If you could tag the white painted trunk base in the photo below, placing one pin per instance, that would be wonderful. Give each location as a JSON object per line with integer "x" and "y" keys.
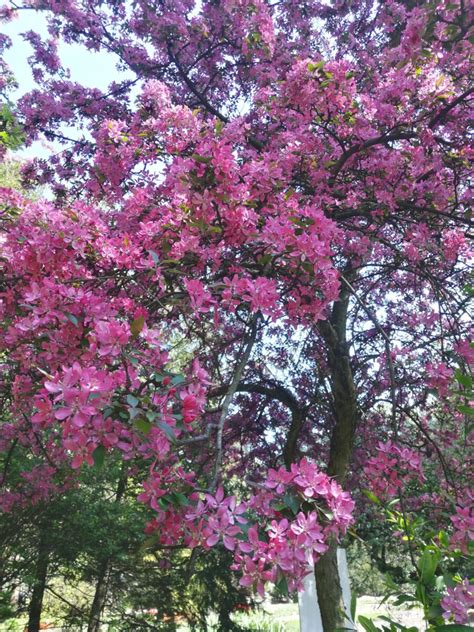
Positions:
{"x": 310, "y": 616}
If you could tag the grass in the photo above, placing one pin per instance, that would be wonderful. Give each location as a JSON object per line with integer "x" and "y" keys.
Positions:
{"x": 282, "y": 617}
{"x": 272, "y": 618}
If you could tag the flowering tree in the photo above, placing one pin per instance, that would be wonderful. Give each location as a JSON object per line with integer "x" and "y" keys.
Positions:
{"x": 281, "y": 191}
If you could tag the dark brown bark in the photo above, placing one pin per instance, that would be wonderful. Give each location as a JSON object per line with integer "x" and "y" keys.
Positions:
{"x": 331, "y": 604}
{"x": 100, "y": 595}
{"x": 290, "y": 451}
{"x": 41, "y": 572}
{"x": 274, "y": 390}
{"x": 342, "y": 440}
{"x": 280, "y": 393}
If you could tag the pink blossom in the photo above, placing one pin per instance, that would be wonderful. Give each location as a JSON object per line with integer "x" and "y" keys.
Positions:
{"x": 463, "y": 523}
{"x": 458, "y": 603}
{"x": 201, "y": 299}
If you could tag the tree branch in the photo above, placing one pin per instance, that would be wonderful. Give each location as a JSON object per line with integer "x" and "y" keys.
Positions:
{"x": 379, "y": 140}
{"x": 230, "y": 394}
{"x": 388, "y": 350}
{"x": 439, "y": 118}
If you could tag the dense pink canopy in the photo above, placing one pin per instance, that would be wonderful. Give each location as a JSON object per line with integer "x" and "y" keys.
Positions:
{"x": 283, "y": 185}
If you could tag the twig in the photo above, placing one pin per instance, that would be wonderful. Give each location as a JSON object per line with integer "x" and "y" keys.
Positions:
{"x": 71, "y": 605}
{"x": 198, "y": 438}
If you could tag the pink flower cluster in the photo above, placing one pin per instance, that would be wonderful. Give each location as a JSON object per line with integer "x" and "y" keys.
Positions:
{"x": 300, "y": 509}
{"x": 35, "y": 486}
{"x": 260, "y": 293}
{"x": 391, "y": 469}
{"x": 463, "y": 523}
{"x": 278, "y": 532}
{"x": 459, "y": 602}
{"x": 439, "y": 377}
{"x": 81, "y": 393}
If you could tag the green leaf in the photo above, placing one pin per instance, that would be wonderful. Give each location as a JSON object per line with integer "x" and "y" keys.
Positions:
{"x": 371, "y": 496}
{"x": 282, "y": 585}
{"x": 448, "y": 580}
{"x": 99, "y": 456}
{"x": 132, "y": 400}
{"x": 428, "y": 564}
{"x": 353, "y": 607}
{"x": 107, "y": 412}
{"x": 73, "y": 319}
{"x": 179, "y": 499}
{"x": 401, "y": 599}
{"x": 163, "y": 502}
{"x": 462, "y": 378}
{"x": 168, "y": 430}
{"x": 142, "y": 424}
{"x": 178, "y": 379}
{"x": 313, "y": 66}
{"x": 367, "y": 624}
{"x": 265, "y": 259}
{"x": 420, "y": 593}
{"x": 443, "y": 538}
{"x": 202, "y": 159}
{"x": 137, "y": 325}
{"x": 395, "y": 625}
{"x": 292, "y": 502}
{"x": 434, "y": 611}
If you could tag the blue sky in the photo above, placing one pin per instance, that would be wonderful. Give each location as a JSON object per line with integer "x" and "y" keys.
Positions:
{"x": 88, "y": 68}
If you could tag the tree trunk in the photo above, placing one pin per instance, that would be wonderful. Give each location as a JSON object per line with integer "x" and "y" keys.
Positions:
{"x": 41, "y": 572}
{"x": 100, "y": 594}
{"x": 328, "y": 586}
{"x": 346, "y": 414}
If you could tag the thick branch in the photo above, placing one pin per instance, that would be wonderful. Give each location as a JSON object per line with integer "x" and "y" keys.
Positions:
{"x": 439, "y": 118}
{"x": 273, "y": 391}
{"x": 286, "y": 397}
{"x": 379, "y": 140}
{"x": 192, "y": 86}
{"x": 346, "y": 411}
